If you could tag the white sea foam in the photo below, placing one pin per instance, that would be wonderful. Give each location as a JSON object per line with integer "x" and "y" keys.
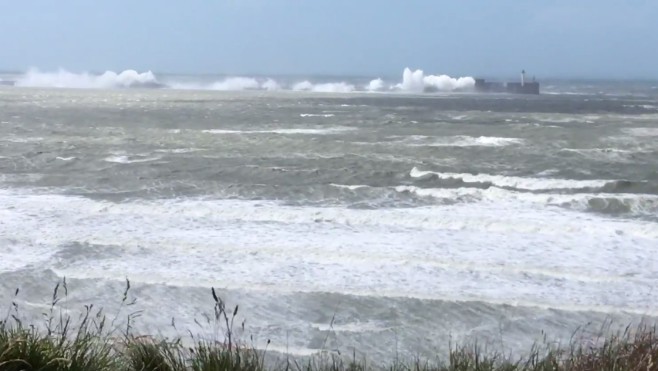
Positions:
{"x": 351, "y": 327}
{"x": 316, "y": 115}
{"x": 451, "y": 141}
{"x": 66, "y": 79}
{"x": 350, "y": 187}
{"x": 376, "y": 85}
{"x": 642, "y": 132}
{"x": 231, "y": 83}
{"x": 565, "y": 119}
{"x": 236, "y": 83}
{"x": 596, "y": 150}
{"x": 65, "y": 158}
{"x": 490, "y": 141}
{"x": 638, "y": 204}
{"x": 334, "y": 87}
{"x": 123, "y": 159}
{"x": 417, "y": 82}
{"x": 412, "y": 81}
{"x": 460, "y": 251}
{"x": 301, "y": 86}
{"x": 30, "y": 253}
{"x": 523, "y": 183}
{"x": 270, "y": 85}
{"x": 331, "y": 87}
{"x": 467, "y": 141}
{"x": 283, "y": 131}
{"x": 645, "y": 106}
{"x": 548, "y": 172}
{"x": 23, "y": 139}
{"x": 178, "y": 150}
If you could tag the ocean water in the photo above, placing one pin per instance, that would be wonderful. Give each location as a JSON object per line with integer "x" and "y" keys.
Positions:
{"x": 391, "y": 222}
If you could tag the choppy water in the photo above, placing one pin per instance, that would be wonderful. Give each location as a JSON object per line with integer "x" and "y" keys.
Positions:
{"x": 409, "y": 219}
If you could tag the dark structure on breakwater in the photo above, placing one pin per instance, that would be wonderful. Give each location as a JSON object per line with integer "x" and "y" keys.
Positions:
{"x": 523, "y": 87}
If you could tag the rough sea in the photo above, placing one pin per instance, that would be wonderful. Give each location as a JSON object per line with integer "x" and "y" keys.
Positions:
{"x": 340, "y": 216}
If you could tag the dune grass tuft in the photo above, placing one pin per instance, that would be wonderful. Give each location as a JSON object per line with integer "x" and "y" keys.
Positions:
{"x": 94, "y": 343}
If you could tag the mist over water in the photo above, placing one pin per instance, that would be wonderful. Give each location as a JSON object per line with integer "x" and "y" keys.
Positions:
{"x": 403, "y": 210}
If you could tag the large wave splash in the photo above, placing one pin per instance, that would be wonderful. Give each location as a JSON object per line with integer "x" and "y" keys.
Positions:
{"x": 415, "y": 81}
{"x": 85, "y": 80}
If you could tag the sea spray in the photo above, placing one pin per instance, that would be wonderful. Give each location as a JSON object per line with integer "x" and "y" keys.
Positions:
{"x": 412, "y": 82}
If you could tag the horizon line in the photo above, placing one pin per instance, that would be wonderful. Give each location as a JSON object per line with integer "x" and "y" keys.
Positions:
{"x": 493, "y": 76}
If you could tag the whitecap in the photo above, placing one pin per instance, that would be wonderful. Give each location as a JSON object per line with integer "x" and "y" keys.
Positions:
{"x": 317, "y": 115}
{"x": 522, "y": 183}
{"x": 178, "y": 150}
{"x": 642, "y": 132}
{"x": 84, "y": 80}
{"x": 486, "y": 251}
{"x": 331, "y": 130}
{"x": 350, "y": 187}
{"x": 123, "y": 159}
{"x": 455, "y": 141}
{"x": 637, "y": 204}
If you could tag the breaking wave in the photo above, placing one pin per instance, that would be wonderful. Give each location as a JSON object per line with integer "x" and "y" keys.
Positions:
{"x": 316, "y": 115}
{"x": 535, "y": 184}
{"x": 124, "y": 159}
{"x": 376, "y": 85}
{"x": 605, "y": 203}
{"x": 331, "y": 87}
{"x": 520, "y": 183}
{"x": 282, "y": 131}
{"x": 454, "y": 141}
{"x": 413, "y": 81}
{"x": 107, "y": 80}
{"x": 236, "y": 83}
{"x": 417, "y": 82}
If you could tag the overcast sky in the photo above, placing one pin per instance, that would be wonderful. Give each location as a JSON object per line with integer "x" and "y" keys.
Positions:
{"x": 550, "y": 38}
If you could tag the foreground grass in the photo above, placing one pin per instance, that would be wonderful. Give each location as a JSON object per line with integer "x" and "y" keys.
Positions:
{"x": 95, "y": 343}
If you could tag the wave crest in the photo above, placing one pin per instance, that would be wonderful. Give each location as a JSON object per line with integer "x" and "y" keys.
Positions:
{"x": 331, "y": 87}
{"x": 520, "y": 183}
{"x": 85, "y": 80}
{"x": 417, "y": 82}
{"x": 412, "y": 82}
{"x": 535, "y": 184}
{"x": 236, "y": 83}
{"x": 604, "y": 203}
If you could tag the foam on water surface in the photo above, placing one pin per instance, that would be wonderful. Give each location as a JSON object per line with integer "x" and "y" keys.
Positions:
{"x": 282, "y": 131}
{"x": 417, "y": 214}
{"x": 419, "y": 253}
{"x": 523, "y": 183}
{"x": 124, "y": 159}
{"x": 454, "y": 141}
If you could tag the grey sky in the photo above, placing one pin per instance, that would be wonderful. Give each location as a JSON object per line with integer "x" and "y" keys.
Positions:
{"x": 559, "y": 38}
